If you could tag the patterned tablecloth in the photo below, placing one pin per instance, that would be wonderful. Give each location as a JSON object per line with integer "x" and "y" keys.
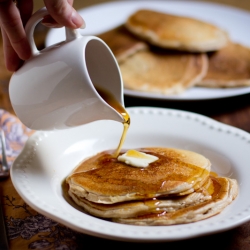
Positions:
{"x": 27, "y": 229}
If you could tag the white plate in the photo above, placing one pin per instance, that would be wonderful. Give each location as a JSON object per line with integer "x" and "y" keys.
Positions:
{"x": 102, "y": 17}
{"x": 49, "y": 157}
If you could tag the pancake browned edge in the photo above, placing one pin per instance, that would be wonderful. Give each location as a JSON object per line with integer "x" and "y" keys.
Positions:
{"x": 225, "y": 191}
{"x": 163, "y": 71}
{"x": 228, "y": 67}
{"x": 140, "y": 207}
{"x": 122, "y": 42}
{"x": 176, "y": 32}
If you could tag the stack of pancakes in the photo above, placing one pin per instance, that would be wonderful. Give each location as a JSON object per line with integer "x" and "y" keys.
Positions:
{"x": 177, "y": 188}
{"x": 168, "y": 54}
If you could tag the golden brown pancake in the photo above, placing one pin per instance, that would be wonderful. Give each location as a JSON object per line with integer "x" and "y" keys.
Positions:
{"x": 178, "y": 187}
{"x": 122, "y": 42}
{"x": 104, "y": 179}
{"x": 163, "y": 71}
{"x": 176, "y": 32}
{"x": 225, "y": 191}
{"x": 228, "y": 67}
{"x": 140, "y": 207}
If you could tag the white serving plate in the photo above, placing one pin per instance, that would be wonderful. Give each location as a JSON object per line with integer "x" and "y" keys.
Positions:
{"x": 48, "y": 158}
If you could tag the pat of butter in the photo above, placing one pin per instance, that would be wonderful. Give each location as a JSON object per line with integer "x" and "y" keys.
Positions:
{"x": 136, "y": 158}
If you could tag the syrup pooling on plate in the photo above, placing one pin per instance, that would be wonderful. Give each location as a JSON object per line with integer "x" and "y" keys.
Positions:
{"x": 109, "y": 98}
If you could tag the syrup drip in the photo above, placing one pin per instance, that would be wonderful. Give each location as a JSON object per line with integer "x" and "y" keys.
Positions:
{"x": 110, "y": 99}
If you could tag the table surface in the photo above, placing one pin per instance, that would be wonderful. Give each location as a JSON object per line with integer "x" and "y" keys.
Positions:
{"x": 234, "y": 111}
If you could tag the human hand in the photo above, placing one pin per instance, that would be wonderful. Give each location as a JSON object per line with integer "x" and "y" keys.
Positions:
{"x": 13, "y": 18}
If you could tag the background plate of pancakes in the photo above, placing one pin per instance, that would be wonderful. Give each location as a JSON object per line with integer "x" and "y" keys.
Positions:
{"x": 49, "y": 157}
{"x": 106, "y": 16}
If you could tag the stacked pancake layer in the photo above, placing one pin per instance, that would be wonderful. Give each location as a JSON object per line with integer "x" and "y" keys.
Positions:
{"x": 228, "y": 67}
{"x": 163, "y": 72}
{"x": 169, "y": 54}
{"x": 176, "y": 32}
{"x": 177, "y": 188}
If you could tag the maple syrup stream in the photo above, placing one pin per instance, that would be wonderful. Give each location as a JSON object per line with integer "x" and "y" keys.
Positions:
{"x": 109, "y": 98}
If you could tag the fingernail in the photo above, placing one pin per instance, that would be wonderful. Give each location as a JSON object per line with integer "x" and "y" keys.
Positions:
{"x": 83, "y": 25}
{"x": 78, "y": 20}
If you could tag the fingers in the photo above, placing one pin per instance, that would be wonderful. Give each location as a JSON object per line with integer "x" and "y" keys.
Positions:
{"x": 62, "y": 14}
{"x": 12, "y": 60}
{"x": 25, "y": 8}
{"x": 15, "y": 43}
{"x": 13, "y": 19}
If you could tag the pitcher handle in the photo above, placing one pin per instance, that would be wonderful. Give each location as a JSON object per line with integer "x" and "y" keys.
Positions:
{"x": 71, "y": 34}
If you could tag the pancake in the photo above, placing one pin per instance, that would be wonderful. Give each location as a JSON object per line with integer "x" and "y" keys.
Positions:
{"x": 104, "y": 179}
{"x": 225, "y": 191}
{"x": 163, "y": 71}
{"x": 228, "y": 67}
{"x": 176, "y": 32}
{"x": 135, "y": 208}
{"x": 122, "y": 42}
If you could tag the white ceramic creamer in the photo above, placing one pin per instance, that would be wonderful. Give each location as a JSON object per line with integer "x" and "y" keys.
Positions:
{"x": 57, "y": 87}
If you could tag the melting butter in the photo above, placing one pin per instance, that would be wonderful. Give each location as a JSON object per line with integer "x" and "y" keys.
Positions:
{"x": 136, "y": 158}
